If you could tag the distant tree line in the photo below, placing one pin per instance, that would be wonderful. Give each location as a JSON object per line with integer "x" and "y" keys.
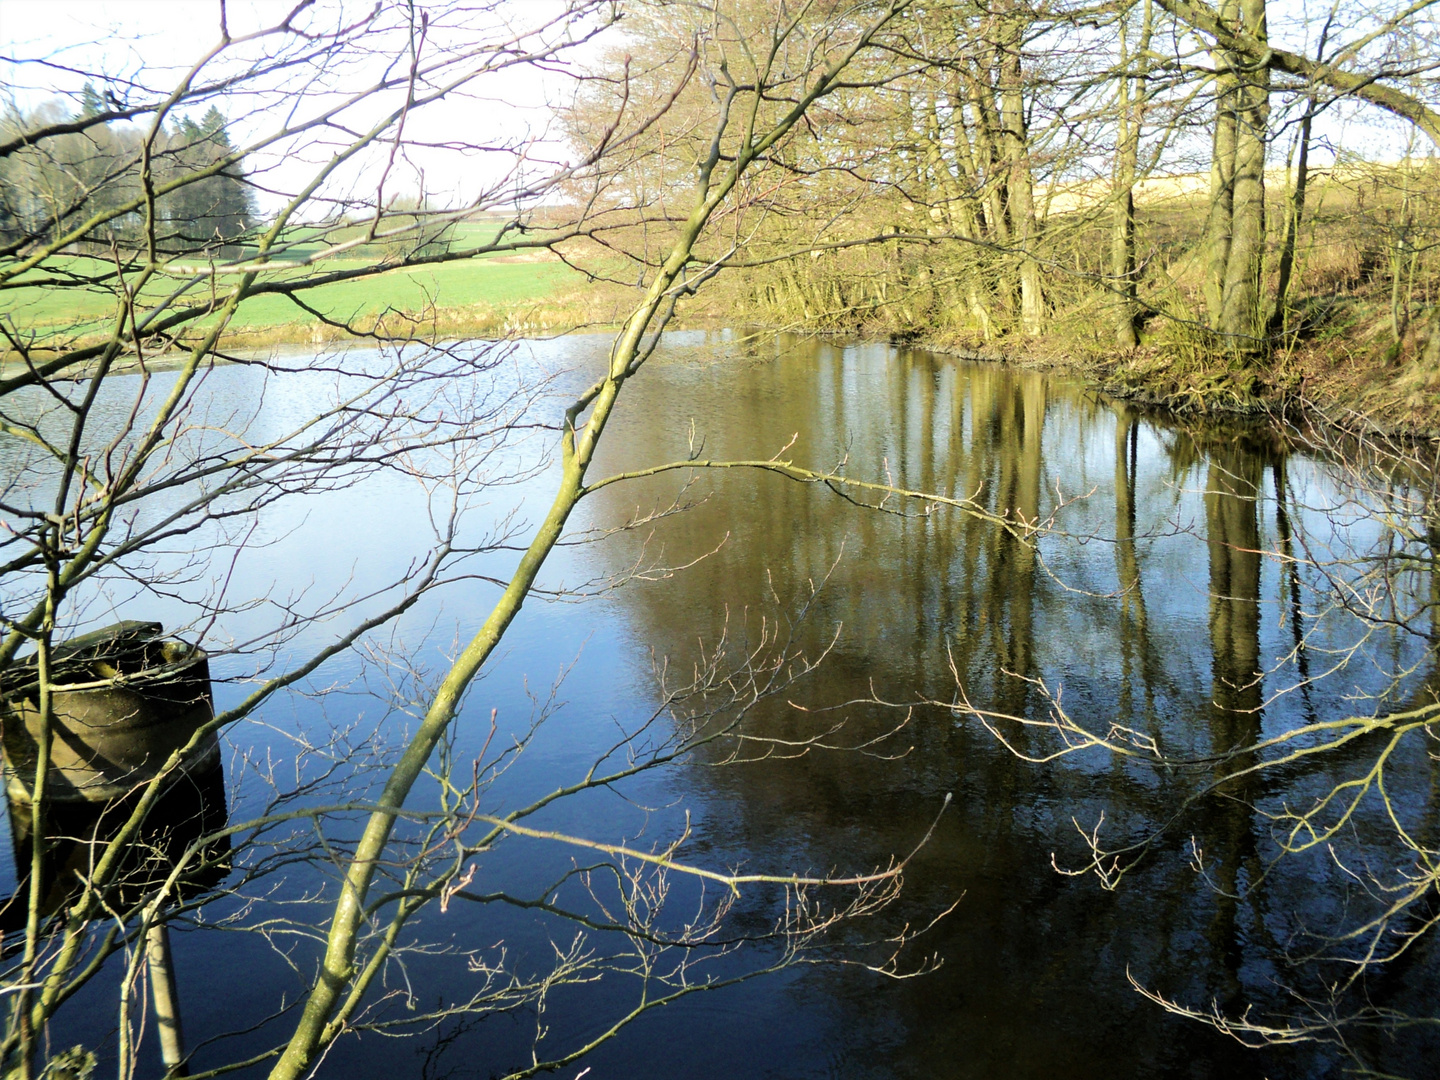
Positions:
{"x": 56, "y": 184}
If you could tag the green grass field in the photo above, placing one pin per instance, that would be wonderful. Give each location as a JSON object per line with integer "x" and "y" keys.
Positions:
{"x": 486, "y": 282}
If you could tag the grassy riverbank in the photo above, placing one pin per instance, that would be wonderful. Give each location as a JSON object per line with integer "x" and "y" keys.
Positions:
{"x": 1358, "y": 338}
{"x": 479, "y": 293}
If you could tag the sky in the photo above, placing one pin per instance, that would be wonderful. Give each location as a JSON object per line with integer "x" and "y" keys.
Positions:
{"x": 174, "y": 28}
{"x": 162, "y": 38}
{"x": 123, "y": 37}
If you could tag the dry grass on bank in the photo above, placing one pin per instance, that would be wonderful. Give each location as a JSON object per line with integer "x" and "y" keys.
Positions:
{"x": 1358, "y": 334}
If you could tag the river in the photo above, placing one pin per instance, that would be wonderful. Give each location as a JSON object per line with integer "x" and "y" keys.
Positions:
{"x": 1172, "y": 599}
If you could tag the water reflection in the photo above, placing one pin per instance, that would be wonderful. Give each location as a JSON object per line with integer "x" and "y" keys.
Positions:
{"x": 1169, "y": 600}
{"x": 1175, "y": 618}
{"x": 190, "y": 808}
{"x": 1233, "y": 473}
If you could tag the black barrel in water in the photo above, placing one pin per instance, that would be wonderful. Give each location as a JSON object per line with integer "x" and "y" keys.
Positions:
{"x": 124, "y": 699}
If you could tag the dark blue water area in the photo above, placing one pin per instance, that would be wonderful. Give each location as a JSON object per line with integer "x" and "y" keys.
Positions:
{"x": 1134, "y": 609}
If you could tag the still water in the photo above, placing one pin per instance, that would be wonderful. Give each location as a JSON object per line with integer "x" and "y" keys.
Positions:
{"x": 1166, "y": 598}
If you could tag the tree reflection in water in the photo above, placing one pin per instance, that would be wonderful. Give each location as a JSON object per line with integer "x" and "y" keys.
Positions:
{"x": 1168, "y": 602}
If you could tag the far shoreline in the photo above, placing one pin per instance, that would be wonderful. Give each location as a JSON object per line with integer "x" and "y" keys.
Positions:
{"x": 1358, "y": 396}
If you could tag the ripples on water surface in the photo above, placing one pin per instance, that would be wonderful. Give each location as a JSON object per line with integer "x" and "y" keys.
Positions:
{"x": 1149, "y": 607}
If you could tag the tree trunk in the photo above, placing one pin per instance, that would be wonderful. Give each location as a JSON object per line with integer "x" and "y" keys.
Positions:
{"x": 1122, "y": 246}
{"x": 1236, "y": 229}
{"x": 1021, "y": 184}
{"x": 987, "y": 125}
{"x": 1294, "y": 212}
{"x": 959, "y": 211}
{"x": 1129, "y": 114}
{"x": 1241, "y": 314}
{"x": 1222, "y": 178}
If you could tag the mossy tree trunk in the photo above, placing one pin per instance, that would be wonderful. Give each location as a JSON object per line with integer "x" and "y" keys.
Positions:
{"x": 1242, "y": 315}
{"x": 1235, "y": 229}
{"x": 1021, "y": 187}
{"x": 1129, "y": 111}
